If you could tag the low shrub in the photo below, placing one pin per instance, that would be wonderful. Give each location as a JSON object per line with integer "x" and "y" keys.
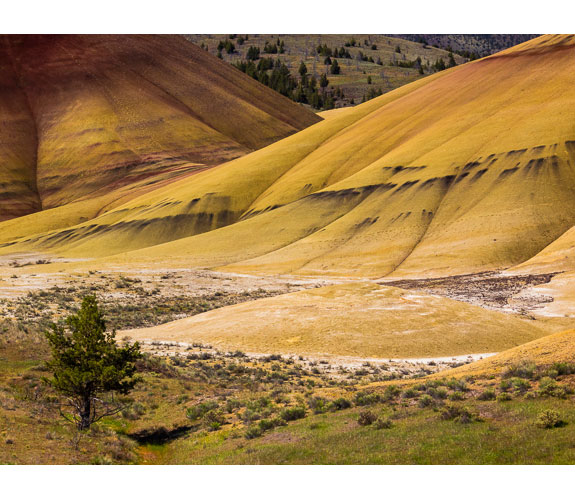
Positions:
{"x": 294, "y": 413}
{"x": 410, "y": 393}
{"x": 366, "y": 398}
{"x": 439, "y": 393}
{"x": 457, "y": 396}
{"x": 340, "y": 404}
{"x": 199, "y": 410}
{"x": 487, "y": 395}
{"x": 504, "y": 396}
{"x": 267, "y": 424}
{"x": 253, "y": 432}
{"x": 366, "y": 417}
{"x": 564, "y": 368}
{"x": 520, "y": 385}
{"x": 548, "y": 419}
{"x": 524, "y": 369}
{"x": 425, "y": 401}
{"x": 458, "y": 414}
{"x": 391, "y": 392}
{"x": 383, "y": 423}
{"x": 457, "y": 385}
{"x": 318, "y": 405}
{"x": 214, "y": 419}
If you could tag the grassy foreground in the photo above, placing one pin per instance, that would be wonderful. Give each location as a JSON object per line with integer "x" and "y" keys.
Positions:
{"x": 209, "y": 407}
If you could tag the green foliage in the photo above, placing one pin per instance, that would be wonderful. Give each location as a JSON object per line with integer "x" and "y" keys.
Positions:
{"x": 391, "y": 391}
{"x": 335, "y": 68}
{"x": 439, "y": 65}
{"x": 372, "y": 93}
{"x": 457, "y": 396}
{"x": 253, "y": 54}
{"x": 549, "y": 387}
{"x": 366, "y": 398}
{"x": 340, "y": 404}
{"x": 548, "y": 419}
{"x": 253, "y": 432}
{"x": 198, "y": 411}
{"x": 459, "y": 414}
{"x": 318, "y": 405}
{"x": 410, "y": 393}
{"x": 366, "y": 417}
{"x": 524, "y": 369}
{"x": 487, "y": 395}
{"x": 383, "y": 423}
{"x": 87, "y": 364}
{"x": 226, "y": 45}
{"x": 276, "y": 75}
{"x": 564, "y": 368}
{"x": 425, "y": 401}
{"x": 214, "y": 419}
{"x": 294, "y": 413}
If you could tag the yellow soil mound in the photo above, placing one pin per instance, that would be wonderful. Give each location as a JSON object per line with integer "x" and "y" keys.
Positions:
{"x": 556, "y": 348}
{"x": 358, "y": 319}
{"x": 470, "y": 169}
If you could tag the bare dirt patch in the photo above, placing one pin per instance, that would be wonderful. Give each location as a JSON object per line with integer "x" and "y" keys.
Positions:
{"x": 490, "y": 290}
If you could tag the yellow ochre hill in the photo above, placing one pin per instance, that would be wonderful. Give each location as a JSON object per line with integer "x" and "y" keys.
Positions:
{"x": 467, "y": 170}
{"x": 108, "y": 117}
{"x": 362, "y": 320}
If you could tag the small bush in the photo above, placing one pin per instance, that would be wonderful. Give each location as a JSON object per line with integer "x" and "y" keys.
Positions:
{"x": 294, "y": 413}
{"x": 547, "y": 386}
{"x": 340, "y": 404}
{"x": 564, "y": 368}
{"x": 456, "y": 396}
{"x": 548, "y": 419}
{"x": 391, "y": 391}
{"x": 317, "y": 405}
{"x": 199, "y": 410}
{"x": 505, "y": 385}
{"x": 383, "y": 423}
{"x": 458, "y": 414}
{"x": 487, "y": 395}
{"x": 520, "y": 385}
{"x": 425, "y": 401}
{"x": 366, "y": 417}
{"x": 437, "y": 393}
{"x": 525, "y": 369}
{"x": 504, "y": 396}
{"x": 457, "y": 385}
{"x": 253, "y": 432}
{"x": 214, "y": 419}
{"x": 266, "y": 424}
{"x": 366, "y": 398}
{"x": 410, "y": 393}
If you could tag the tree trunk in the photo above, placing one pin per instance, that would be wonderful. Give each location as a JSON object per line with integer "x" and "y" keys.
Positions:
{"x": 85, "y": 413}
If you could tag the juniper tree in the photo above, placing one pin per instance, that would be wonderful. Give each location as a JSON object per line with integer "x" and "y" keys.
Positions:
{"x": 335, "y": 69}
{"x": 89, "y": 368}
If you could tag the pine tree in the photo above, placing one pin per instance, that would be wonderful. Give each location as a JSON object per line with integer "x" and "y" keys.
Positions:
{"x": 253, "y": 53}
{"x": 335, "y": 69}
{"x": 88, "y": 367}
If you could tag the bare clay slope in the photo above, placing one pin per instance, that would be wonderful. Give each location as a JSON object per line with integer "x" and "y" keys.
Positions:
{"x": 467, "y": 170}
{"x": 87, "y": 115}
